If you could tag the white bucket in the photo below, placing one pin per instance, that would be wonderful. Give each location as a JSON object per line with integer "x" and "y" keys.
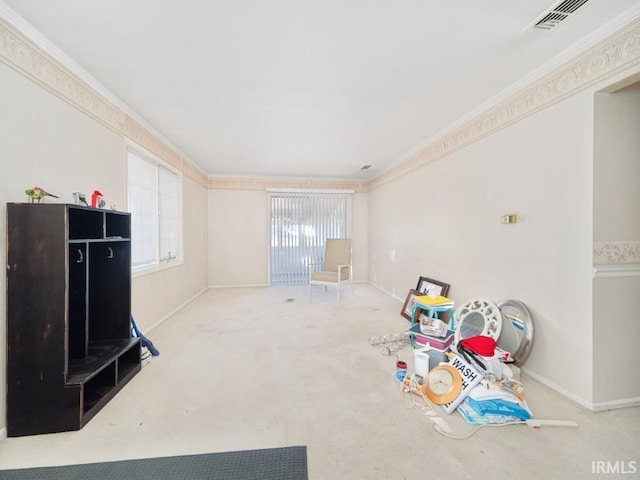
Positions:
{"x": 421, "y": 362}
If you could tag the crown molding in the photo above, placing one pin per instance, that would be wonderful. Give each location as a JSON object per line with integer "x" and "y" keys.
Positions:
{"x": 224, "y": 183}
{"x": 27, "y": 52}
{"x": 606, "y": 58}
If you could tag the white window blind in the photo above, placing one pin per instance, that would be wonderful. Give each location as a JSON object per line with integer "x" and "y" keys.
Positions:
{"x": 154, "y": 203}
{"x": 300, "y": 224}
{"x": 169, "y": 213}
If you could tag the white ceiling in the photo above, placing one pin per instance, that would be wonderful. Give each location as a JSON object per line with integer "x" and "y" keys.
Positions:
{"x": 307, "y": 88}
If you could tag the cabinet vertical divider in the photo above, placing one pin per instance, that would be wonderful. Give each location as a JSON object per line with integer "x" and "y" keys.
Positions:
{"x": 86, "y": 300}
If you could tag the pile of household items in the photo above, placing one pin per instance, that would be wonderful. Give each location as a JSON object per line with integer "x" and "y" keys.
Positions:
{"x": 467, "y": 359}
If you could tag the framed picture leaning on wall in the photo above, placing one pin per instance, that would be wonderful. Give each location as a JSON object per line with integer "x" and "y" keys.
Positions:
{"x": 431, "y": 287}
{"x": 408, "y": 303}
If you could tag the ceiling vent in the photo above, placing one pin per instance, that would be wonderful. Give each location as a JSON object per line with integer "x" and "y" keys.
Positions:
{"x": 557, "y": 13}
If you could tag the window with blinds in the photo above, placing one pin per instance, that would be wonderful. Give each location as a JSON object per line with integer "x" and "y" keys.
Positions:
{"x": 300, "y": 223}
{"x": 154, "y": 202}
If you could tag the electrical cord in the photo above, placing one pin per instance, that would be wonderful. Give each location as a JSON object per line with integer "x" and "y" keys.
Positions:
{"x": 443, "y": 432}
{"x": 408, "y": 395}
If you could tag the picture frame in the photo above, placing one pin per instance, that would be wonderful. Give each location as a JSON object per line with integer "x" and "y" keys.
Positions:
{"x": 426, "y": 285}
{"x": 408, "y": 304}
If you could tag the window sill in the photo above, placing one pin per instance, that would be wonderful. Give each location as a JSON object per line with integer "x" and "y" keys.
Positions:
{"x": 156, "y": 268}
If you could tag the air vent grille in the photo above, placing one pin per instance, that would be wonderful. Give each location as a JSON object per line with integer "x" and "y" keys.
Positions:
{"x": 558, "y": 13}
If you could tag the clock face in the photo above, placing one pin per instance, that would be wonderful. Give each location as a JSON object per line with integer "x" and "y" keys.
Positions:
{"x": 444, "y": 384}
{"x": 441, "y": 382}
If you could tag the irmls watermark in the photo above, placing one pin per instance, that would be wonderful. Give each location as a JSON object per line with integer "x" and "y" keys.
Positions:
{"x": 614, "y": 467}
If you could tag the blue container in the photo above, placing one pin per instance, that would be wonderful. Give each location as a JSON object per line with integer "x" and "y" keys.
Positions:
{"x": 401, "y": 370}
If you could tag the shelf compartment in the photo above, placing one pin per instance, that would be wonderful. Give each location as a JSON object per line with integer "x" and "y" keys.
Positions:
{"x": 85, "y": 223}
{"x": 129, "y": 362}
{"x": 109, "y": 290}
{"x": 117, "y": 225}
{"x": 99, "y": 386}
{"x": 100, "y": 354}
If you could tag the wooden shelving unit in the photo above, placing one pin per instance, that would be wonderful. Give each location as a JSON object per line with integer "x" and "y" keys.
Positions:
{"x": 69, "y": 349}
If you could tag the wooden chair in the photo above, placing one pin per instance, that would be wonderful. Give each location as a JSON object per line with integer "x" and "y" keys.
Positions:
{"x": 336, "y": 269}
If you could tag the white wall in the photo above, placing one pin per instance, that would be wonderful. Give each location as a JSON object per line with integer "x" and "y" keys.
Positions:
{"x": 617, "y": 165}
{"x": 616, "y": 356}
{"x": 616, "y": 198}
{"x": 442, "y": 221}
{"x": 181, "y": 283}
{"x": 45, "y": 141}
{"x": 239, "y": 237}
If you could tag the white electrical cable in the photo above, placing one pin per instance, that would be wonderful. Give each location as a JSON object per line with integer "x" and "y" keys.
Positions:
{"x": 475, "y": 430}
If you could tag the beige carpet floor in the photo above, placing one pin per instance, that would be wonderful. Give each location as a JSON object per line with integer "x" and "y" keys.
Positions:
{"x": 252, "y": 368}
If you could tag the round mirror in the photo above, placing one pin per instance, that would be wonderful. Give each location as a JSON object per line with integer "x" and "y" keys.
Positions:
{"x": 517, "y": 330}
{"x": 478, "y": 317}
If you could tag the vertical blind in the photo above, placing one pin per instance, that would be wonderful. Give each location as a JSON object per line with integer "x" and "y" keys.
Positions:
{"x": 169, "y": 213}
{"x": 300, "y": 224}
{"x": 143, "y": 205}
{"x": 154, "y": 203}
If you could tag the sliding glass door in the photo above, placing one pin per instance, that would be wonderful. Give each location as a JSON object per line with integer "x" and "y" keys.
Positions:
{"x": 300, "y": 223}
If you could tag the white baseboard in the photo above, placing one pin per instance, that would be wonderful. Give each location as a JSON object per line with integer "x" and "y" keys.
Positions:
{"x": 561, "y": 390}
{"x": 615, "y": 404}
{"x": 175, "y": 310}
{"x": 594, "y": 407}
{"x": 385, "y": 291}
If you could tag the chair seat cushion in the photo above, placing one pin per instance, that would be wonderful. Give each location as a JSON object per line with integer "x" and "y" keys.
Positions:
{"x": 328, "y": 276}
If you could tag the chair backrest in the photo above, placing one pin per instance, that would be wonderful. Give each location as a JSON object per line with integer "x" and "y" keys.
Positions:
{"x": 337, "y": 251}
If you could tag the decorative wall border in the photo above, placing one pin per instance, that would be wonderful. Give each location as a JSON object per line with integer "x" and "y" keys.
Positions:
{"x": 223, "y": 183}
{"x": 616, "y": 253}
{"x": 616, "y": 259}
{"x": 614, "y": 54}
{"x": 25, "y": 57}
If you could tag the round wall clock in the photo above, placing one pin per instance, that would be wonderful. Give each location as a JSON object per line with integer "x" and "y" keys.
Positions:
{"x": 443, "y": 384}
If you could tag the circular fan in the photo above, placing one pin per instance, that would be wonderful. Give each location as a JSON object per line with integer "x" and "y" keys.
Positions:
{"x": 478, "y": 317}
